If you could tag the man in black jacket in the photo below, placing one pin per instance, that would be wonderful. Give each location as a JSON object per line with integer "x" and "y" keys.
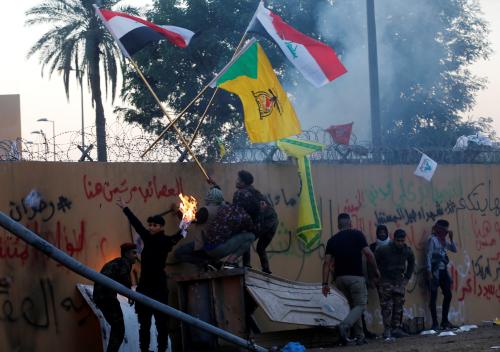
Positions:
{"x": 153, "y": 280}
{"x": 105, "y": 299}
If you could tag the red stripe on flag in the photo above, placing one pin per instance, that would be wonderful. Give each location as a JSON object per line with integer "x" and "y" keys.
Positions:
{"x": 324, "y": 55}
{"x": 173, "y": 37}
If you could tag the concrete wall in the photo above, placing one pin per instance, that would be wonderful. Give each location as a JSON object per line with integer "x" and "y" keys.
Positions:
{"x": 40, "y": 308}
{"x": 10, "y": 117}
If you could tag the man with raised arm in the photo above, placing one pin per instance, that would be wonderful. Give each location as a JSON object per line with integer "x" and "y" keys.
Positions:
{"x": 153, "y": 279}
{"x": 437, "y": 271}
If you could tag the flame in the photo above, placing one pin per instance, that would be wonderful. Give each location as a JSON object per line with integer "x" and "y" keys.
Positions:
{"x": 187, "y": 207}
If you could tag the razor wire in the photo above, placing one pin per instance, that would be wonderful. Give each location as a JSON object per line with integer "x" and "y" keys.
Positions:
{"x": 126, "y": 142}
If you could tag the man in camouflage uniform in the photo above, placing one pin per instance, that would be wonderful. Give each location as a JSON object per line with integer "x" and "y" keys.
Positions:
{"x": 262, "y": 213}
{"x": 105, "y": 299}
{"x": 396, "y": 263}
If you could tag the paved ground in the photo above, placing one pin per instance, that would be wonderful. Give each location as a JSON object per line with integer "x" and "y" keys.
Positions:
{"x": 481, "y": 339}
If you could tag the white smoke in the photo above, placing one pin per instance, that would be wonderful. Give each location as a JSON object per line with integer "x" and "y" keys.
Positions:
{"x": 347, "y": 99}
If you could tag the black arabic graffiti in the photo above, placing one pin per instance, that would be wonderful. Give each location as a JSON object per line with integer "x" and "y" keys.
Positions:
{"x": 46, "y": 210}
{"x": 38, "y": 312}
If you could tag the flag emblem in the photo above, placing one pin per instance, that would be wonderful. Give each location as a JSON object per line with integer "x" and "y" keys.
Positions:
{"x": 315, "y": 60}
{"x": 267, "y": 102}
{"x": 268, "y": 113}
{"x": 426, "y": 168}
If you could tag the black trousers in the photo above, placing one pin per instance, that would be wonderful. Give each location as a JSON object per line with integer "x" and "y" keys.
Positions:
{"x": 112, "y": 312}
{"x": 443, "y": 281}
{"x": 144, "y": 315}
{"x": 263, "y": 242}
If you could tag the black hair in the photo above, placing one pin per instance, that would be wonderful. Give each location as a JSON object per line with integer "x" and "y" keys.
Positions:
{"x": 442, "y": 223}
{"x": 246, "y": 177}
{"x": 201, "y": 216}
{"x": 399, "y": 233}
{"x": 343, "y": 220}
{"x": 156, "y": 219}
{"x": 381, "y": 228}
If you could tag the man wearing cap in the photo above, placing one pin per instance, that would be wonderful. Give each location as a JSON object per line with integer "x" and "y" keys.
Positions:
{"x": 437, "y": 271}
{"x": 262, "y": 214}
{"x": 153, "y": 280}
{"x": 105, "y": 298}
{"x": 396, "y": 263}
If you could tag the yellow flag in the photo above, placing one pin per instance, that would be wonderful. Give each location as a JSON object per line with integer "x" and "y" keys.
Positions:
{"x": 309, "y": 224}
{"x": 269, "y": 115}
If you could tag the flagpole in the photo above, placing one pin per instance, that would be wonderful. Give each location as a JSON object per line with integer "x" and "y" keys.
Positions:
{"x": 183, "y": 140}
{"x": 202, "y": 118}
{"x": 172, "y": 123}
{"x": 196, "y": 98}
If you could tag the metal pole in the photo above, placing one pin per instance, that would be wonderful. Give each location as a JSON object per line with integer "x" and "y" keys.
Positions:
{"x": 81, "y": 95}
{"x": 374, "y": 84}
{"x": 46, "y": 144}
{"x": 74, "y": 265}
{"x": 54, "y": 137}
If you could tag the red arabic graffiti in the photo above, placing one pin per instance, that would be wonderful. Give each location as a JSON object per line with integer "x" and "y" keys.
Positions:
{"x": 472, "y": 287}
{"x": 151, "y": 189}
{"x": 70, "y": 240}
{"x": 485, "y": 232}
{"x": 352, "y": 207}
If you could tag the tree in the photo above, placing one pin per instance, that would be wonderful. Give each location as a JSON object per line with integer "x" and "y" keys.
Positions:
{"x": 177, "y": 75}
{"x": 427, "y": 104}
{"x": 425, "y": 49}
{"x": 78, "y": 42}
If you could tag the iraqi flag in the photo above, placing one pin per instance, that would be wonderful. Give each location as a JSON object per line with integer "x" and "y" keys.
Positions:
{"x": 315, "y": 60}
{"x": 133, "y": 33}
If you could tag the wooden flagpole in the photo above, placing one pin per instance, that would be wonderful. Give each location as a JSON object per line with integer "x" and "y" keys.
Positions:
{"x": 179, "y": 133}
{"x": 202, "y": 118}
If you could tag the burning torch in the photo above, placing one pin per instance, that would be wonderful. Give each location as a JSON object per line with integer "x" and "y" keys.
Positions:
{"x": 188, "y": 210}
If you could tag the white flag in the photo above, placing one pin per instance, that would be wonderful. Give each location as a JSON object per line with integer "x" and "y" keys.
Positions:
{"x": 426, "y": 167}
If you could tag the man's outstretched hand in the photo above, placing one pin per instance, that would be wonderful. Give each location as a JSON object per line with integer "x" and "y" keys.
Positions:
{"x": 212, "y": 182}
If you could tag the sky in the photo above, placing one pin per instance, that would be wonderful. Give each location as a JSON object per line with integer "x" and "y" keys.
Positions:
{"x": 42, "y": 97}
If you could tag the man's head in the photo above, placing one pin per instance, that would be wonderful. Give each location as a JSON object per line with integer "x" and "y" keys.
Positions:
{"x": 201, "y": 216}
{"x": 156, "y": 224}
{"x": 214, "y": 196}
{"x": 441, "y": 227}
{"x": 382, "y": 232}
{"x": 344, "y": 221}
{"x": 245, "y": 179}
{"x": 129, "y": 251}
{"x": 399, "y": 238}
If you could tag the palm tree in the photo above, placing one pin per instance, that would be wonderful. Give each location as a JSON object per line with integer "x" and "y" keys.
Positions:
{"x": 78, "y": 42}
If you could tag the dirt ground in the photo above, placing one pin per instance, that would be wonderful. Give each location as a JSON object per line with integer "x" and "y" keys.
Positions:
{"x": 481, "y": 339}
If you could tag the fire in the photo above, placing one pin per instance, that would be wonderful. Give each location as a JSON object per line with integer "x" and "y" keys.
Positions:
{"x": 188, "y": 208}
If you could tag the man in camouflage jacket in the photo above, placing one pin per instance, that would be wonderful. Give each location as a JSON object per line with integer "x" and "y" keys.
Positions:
{"x": 105, "y": 299}
{"x": 396, "y": 263}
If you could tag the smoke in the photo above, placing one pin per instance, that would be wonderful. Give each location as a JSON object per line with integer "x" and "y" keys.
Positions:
{"x": 347, "y": 99}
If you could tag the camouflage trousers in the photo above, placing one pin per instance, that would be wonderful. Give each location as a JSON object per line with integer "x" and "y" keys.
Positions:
{"x": 392, "y": 299}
